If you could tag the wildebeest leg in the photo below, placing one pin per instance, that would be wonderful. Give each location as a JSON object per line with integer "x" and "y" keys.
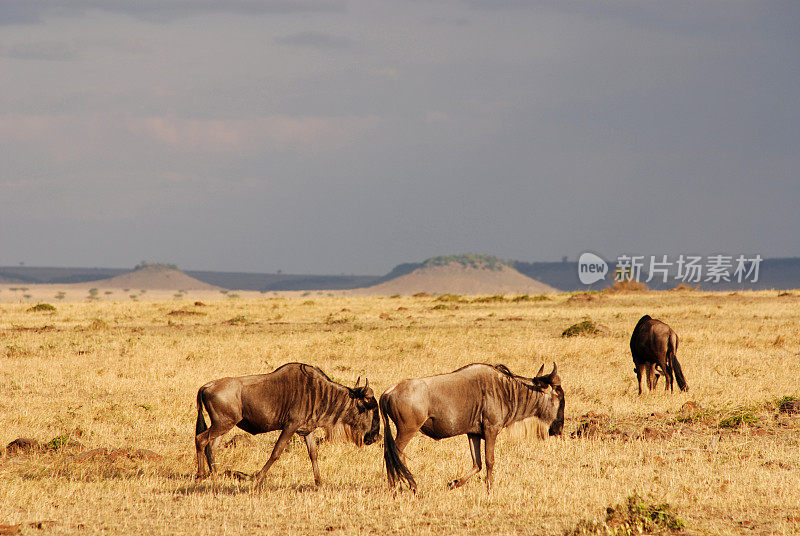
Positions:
{"x": 652, "y": 377}
{"x": 280, "y": 444}
{"x": 475, "y": 450}
{"x": 641, "y": 373}
{"x": 210, "y": 448}
{"x": 402, "y": 439}
{"x": 206, "y": 442}
{"x": 490, "y": 435}
{"x": 668, "y": 378}
{"x": 311, "y": 443}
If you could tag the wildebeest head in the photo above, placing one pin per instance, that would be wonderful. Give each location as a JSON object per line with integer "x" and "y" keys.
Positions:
{"x": 551, "y": 384}
{"x": 364, "y": 419}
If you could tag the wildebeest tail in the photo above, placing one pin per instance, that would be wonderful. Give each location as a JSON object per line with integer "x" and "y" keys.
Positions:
{"x": 672, "y": 346}
{"x": 200, "y": 426}
{"x": 396, "y": 470}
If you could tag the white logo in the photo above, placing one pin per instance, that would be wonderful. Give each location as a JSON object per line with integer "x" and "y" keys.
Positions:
{"x": 591, "y": 268}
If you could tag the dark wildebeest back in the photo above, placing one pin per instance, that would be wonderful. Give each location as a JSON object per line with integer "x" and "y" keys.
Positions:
{"x": 653, "y": 346}
{"x": 296, "y": 399}
{"x": 478, "y": 400}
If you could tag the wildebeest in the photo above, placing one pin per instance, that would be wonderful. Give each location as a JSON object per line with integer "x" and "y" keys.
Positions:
{"x": 478, "y": 400}
{"x": 295, "y": 399}
{"x": 653, "y": 346}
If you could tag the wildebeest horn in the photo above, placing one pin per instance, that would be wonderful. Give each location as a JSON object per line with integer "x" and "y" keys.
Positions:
{"x": 366, "y": 383}
{"x": 552, "y": 374}
{"x": 540, "y": 371}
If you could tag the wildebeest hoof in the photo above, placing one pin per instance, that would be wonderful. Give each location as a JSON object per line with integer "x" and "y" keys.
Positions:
{"x": 453, "y": 485}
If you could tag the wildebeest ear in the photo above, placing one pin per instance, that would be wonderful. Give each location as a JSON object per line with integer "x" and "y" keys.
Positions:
{"x": 541, "y": 369}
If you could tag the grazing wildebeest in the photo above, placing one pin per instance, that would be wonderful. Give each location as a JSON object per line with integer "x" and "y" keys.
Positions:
{"x": 653, "y": 346}
{"x": 478, "y": 400}
{"x": 295, "y": 399}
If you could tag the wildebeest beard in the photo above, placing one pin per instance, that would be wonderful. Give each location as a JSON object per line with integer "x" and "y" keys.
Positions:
{"x": 357, "y": 428}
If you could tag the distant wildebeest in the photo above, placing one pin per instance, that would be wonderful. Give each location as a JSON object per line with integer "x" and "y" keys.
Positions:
{"x": 653, "y": 346}
{"x": 478, "y": 400}
{"x": 295, "y": 399}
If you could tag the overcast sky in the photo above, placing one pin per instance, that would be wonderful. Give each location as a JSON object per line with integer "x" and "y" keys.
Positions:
{"x": 329, "y": 136}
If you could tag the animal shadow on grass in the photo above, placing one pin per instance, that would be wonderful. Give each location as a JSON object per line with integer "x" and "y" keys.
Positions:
{"x": 215, "y": 488}
{"x": 219, "y": 484}
{"x": 243, "y": 484}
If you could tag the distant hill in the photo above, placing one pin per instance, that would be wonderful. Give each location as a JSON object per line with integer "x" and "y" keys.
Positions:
{"x": 230, "y": 280}
{"x": 459, "y": 274}
{"x": 153, "y": 276}
{"x": 779, "y": 273}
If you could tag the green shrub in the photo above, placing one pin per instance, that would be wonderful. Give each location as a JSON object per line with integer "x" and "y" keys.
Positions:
{"x": 58, "y": 442}
{"x": 525, "y": 298}
{"x": 634, "y": 517}
{"x": 489, "y": 299}
{"x": 41, "y": 307}
{"x": 585, "y": 327}
{"x": 155, "y": 265}
{"x": 739, "y": 417}
{"x": 468, "y": 260}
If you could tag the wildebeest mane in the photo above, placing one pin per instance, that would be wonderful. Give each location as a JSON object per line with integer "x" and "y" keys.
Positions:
{"x": 503, "y": 369}
{"x": 507, "y": 372}
{"x": 338, "y": 431}
{"x": 312, "y": 371}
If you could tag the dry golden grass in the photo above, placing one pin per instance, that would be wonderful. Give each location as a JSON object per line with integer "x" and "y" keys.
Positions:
{"x": 125, "y": 374}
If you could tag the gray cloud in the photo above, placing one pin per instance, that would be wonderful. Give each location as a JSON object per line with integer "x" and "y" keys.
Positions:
{"x": 35, "y": 11}
{"x": 49, "y": 51}
{"x": 20, "y": 12}
{"x": 532, "y": 132}
{"x": 315, "y": 40}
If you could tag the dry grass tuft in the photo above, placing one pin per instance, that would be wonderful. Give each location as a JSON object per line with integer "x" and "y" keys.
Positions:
{"x": 628, "y": 285}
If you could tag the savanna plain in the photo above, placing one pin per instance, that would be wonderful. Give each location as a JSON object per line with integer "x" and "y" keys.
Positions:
{"x": 122, "y": 377}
